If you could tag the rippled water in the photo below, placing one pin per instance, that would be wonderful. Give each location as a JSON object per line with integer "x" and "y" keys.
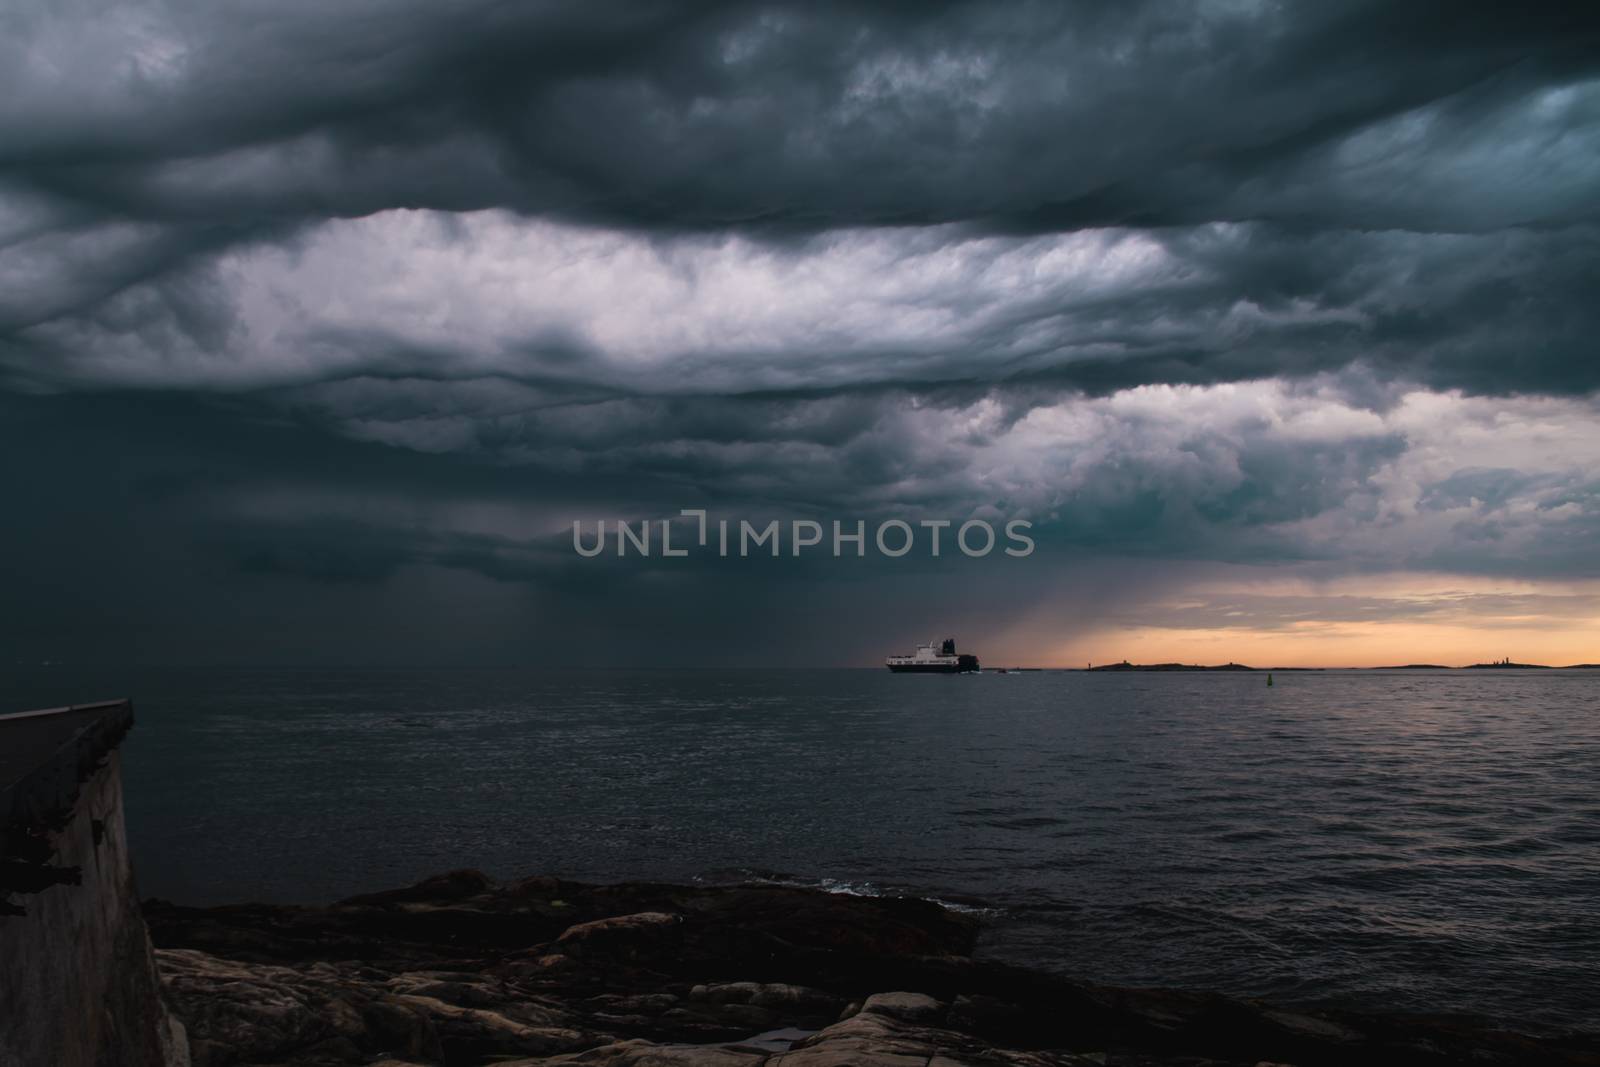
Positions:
{"x": 1412, "y": 840}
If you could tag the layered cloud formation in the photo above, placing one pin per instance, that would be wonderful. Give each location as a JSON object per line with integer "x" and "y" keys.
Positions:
{"x": 328, "y": 309}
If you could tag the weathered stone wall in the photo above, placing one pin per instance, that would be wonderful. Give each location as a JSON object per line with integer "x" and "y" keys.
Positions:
{"x": 78, "y": 984}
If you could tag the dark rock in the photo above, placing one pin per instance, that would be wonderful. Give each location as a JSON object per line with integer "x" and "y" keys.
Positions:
{"x": 907, "y": 1007}
{"x": 647, "y": 935}
{"x": 458, "y": 971}
{"x": 446, "y": 888}
{"x": 980, "y": 1014}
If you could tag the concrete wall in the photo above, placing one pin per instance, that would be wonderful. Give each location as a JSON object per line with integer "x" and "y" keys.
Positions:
{"x": 78, "y": 984}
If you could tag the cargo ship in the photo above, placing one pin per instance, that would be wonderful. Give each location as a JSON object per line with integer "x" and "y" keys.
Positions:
{"x": 934, "y": 658}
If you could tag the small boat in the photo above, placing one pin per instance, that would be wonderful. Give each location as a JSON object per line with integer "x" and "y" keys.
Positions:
{"x": 935, "y": 657}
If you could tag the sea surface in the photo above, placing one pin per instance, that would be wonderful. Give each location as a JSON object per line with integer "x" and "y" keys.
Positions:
{"x": 1411, "y": 840}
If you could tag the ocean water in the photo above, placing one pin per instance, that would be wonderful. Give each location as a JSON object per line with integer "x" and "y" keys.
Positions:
{"x": 1423, "y": 841}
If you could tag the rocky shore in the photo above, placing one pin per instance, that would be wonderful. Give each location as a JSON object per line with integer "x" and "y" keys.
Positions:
{"x": 459, "y": 971}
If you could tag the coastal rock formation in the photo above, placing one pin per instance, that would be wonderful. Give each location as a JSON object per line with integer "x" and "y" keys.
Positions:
{"x": 459, "y": 971}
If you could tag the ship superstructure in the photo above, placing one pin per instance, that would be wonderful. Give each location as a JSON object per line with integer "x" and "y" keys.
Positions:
{"x": 935, "y": 657}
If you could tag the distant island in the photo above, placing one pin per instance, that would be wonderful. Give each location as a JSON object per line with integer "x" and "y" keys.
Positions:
{"x": 1126, "y": 666}
{"x": 1410, "y": 667}
{"x": 1502, "y": 665}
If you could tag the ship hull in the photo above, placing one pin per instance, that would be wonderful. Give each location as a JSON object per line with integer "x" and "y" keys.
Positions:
{"x": 965, "y": 665}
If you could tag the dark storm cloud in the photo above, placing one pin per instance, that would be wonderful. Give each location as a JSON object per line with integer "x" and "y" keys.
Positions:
{"x": 166, "y": 527}
{"x": 812, "y": 115}
{"x": 581, "y": 311}
{"x": 174, "y": 529}
{"x": 365, "y": 302}
{"x": 1489, "y": 313}
{"x": 138, "y": 143}
{"x": 217, "y": 489}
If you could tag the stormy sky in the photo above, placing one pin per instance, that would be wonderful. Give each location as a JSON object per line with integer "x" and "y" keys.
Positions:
{"x": 321, "y": 323}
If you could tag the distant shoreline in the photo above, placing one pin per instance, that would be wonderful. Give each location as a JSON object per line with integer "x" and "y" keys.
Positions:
{"x": 1163, "y": 668}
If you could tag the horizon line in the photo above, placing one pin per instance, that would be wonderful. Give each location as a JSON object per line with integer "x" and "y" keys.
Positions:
{"x": 1092, "y": 666}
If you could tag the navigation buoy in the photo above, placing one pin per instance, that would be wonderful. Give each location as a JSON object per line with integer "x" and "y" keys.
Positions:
{"x": 1269, "y": 679}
